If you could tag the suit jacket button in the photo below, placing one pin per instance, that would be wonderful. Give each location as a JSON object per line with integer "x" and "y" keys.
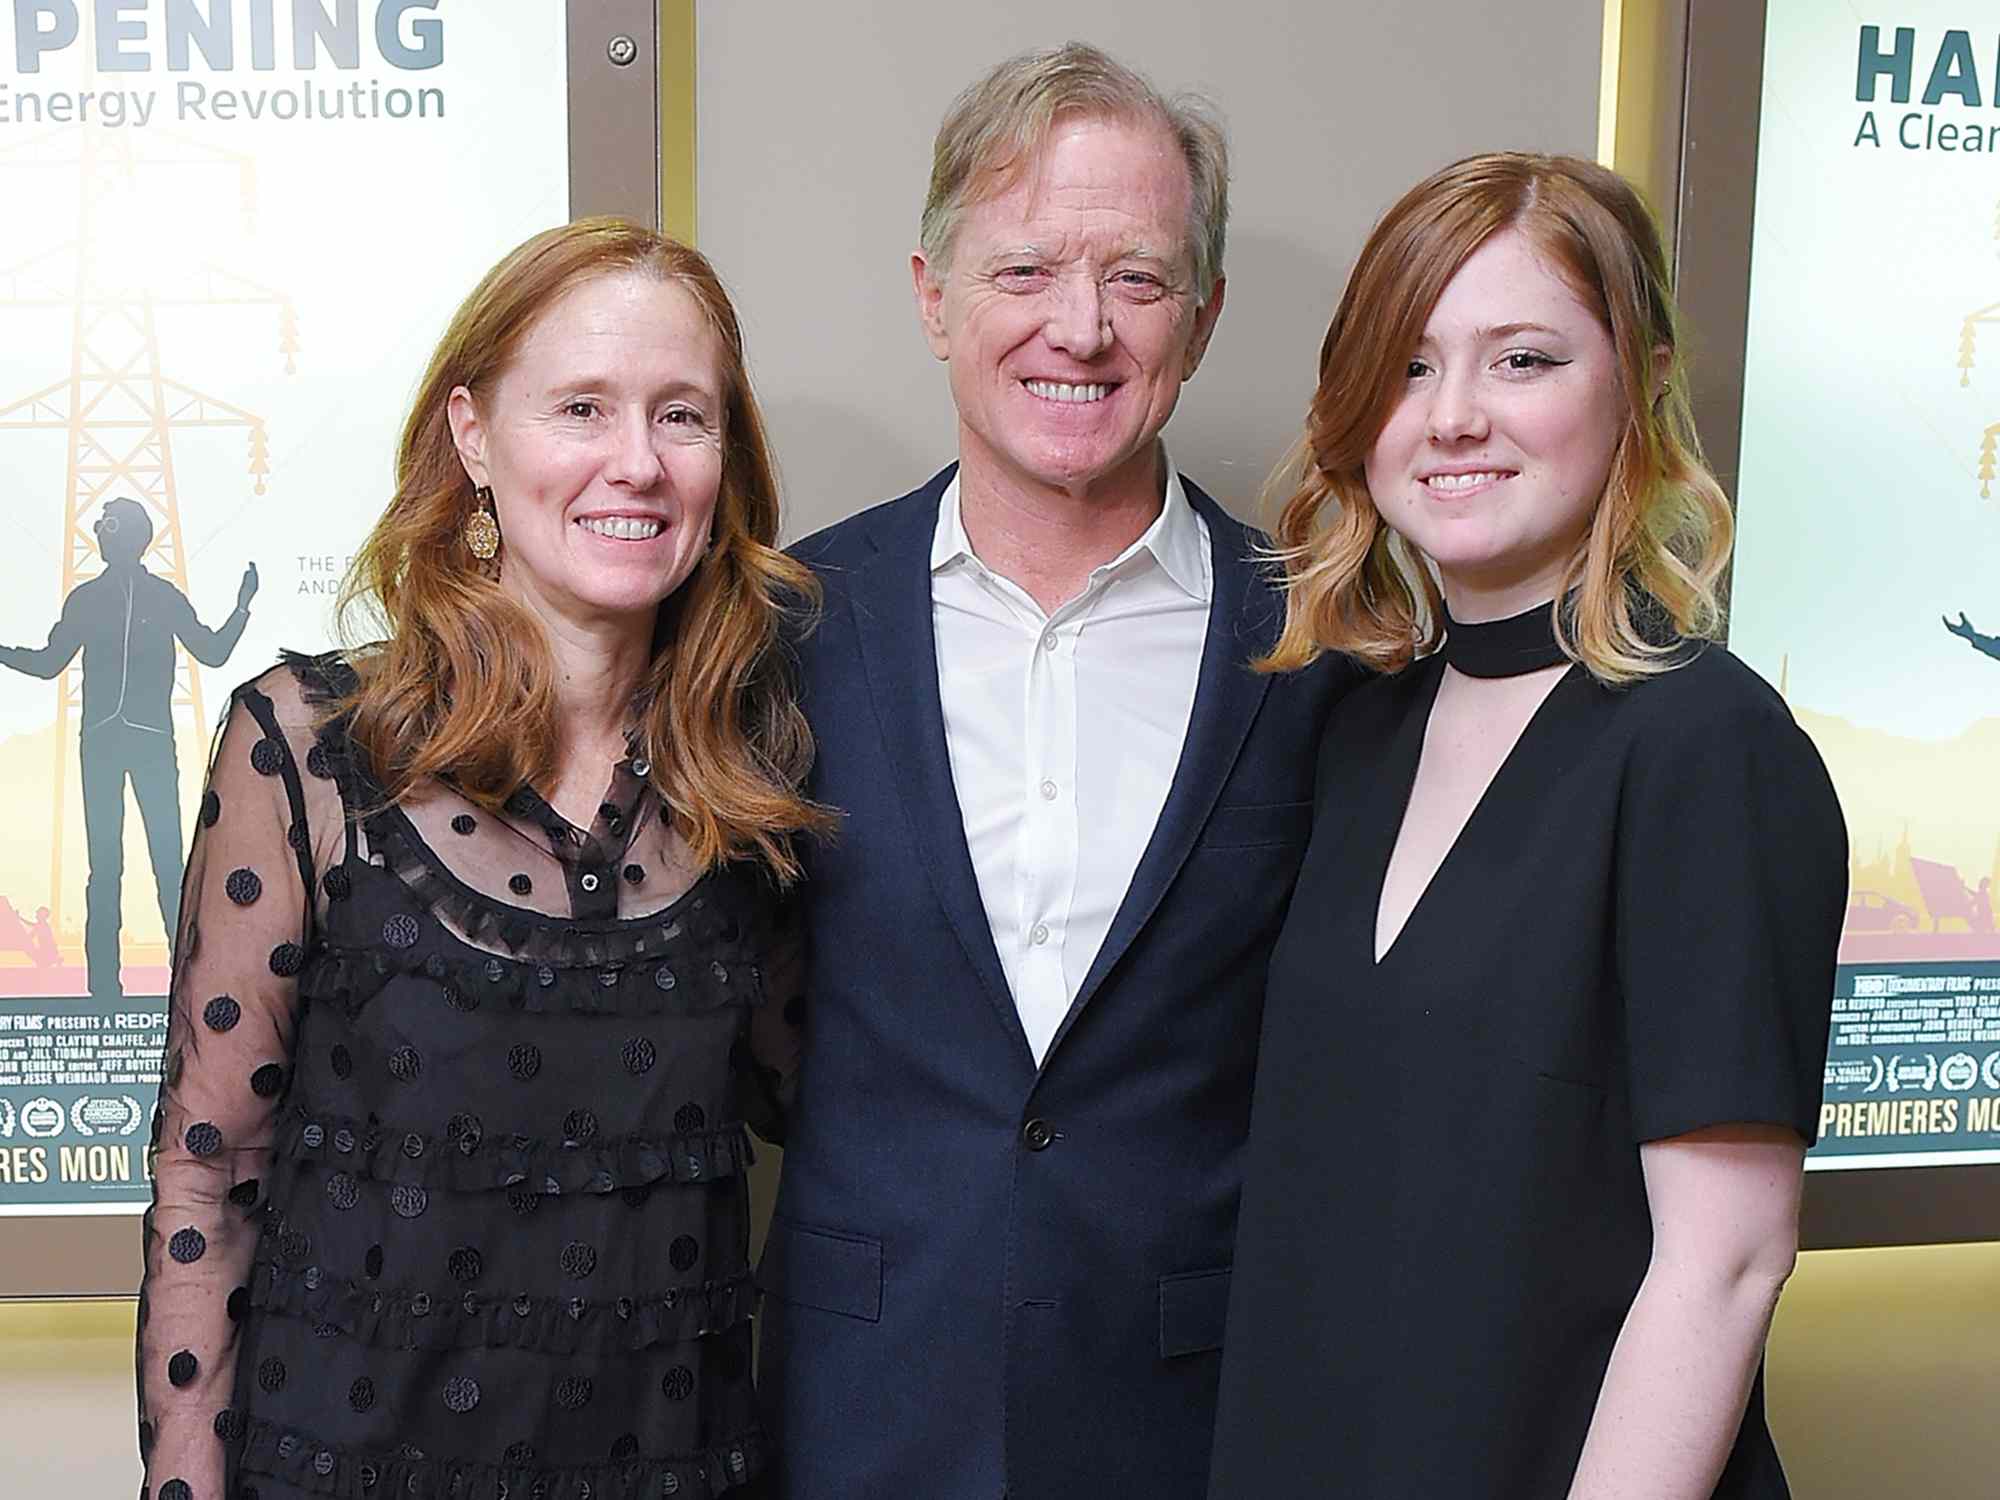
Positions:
{"x": 1036, "y": 1135}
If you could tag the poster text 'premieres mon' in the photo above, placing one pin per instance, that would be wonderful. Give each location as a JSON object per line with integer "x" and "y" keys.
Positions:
{"x": 179, "y": 36}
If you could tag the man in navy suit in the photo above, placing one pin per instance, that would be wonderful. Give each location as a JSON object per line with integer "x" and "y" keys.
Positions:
{"x": 1074, "y": 815}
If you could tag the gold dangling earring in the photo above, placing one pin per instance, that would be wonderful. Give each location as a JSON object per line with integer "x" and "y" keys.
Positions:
{"x": 482, "y": 530}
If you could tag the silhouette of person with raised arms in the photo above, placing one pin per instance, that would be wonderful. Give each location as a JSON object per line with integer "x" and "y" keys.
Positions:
{"x": 1964, "y": 631}
{"x": 125, "y": 621}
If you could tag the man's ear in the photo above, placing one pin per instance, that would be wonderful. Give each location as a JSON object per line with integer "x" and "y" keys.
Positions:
{"x": 468, "y": 432}
{"x": 1204, "y": 329}
{"x": 929, "y": 291}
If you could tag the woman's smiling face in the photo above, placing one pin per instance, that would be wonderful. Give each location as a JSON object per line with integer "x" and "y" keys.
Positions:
{"x": 602, "y": 442}
{"x": 1495, "y": 457}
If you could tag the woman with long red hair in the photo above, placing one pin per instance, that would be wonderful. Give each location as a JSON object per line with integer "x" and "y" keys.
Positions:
{"x": 481, "y": 971}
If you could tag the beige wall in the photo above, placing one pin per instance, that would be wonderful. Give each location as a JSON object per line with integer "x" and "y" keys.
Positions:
{"x": 66, "y": 1390}
{"x": 1882, "y": 1374}
{"x": 1881, "y": 1381}
{"x": 815, "y": 123}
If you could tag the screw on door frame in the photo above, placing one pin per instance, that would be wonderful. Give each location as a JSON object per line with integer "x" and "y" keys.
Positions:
{"x": 622, "y": 51}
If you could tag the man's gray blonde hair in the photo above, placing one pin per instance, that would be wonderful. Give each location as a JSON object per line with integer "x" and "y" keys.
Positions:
{"x": 1001, "y": 122}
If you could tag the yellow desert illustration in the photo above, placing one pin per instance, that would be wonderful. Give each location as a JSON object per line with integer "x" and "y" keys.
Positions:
{"x": 1923, "y": 824}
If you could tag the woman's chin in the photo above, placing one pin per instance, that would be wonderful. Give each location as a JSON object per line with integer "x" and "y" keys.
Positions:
{"x": 597, "y": 601}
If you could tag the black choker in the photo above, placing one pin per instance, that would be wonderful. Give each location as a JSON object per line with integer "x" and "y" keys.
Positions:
{"x": 1503, "y": 648}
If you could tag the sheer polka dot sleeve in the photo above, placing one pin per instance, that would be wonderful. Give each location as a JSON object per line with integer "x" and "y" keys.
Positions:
{"x": 776, "y": 1035}
{"x": 245, "y": 924}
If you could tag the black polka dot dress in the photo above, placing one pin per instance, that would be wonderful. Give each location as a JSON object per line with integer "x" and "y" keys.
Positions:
{"x": 449, "y": 1165}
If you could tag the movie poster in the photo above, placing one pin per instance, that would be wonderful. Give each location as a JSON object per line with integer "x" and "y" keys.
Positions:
{"x": 233, "y": 233}
{"x": 1867, "y": 583}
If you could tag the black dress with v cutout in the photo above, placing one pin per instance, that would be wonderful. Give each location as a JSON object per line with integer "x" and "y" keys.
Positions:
{"x": 1444, "y": 1221}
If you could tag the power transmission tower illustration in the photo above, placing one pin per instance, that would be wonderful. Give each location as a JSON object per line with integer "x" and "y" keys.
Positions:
{"x": 1963, "y": 627}
{"x": 1967, "y": 341}
{"x": 117, "y": 405}
{"x": 1967, "y": 336}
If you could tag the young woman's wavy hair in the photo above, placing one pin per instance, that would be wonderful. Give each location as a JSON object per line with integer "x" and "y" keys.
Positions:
{"x": 1647, "y": 573}
{"x": 462, "y": 682}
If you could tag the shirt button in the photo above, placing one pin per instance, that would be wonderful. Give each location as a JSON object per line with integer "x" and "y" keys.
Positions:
{"x": 589, "y": 882}
{"x": 642, "y": 768}
{"x": 1048, "y": 791}
{"x": 1039, "y": 934}
{"x": 1049, "y": 642}
{"x": 1036, "y": 1135}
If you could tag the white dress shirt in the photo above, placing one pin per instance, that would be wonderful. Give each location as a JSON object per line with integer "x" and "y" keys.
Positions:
{"x": 1064, "y": 732}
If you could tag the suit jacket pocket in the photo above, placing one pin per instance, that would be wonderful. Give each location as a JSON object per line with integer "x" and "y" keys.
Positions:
{"x": 1193, "y": 1307}
{"x": 823, "y": 1268}
{"x": 1257, "y": 825}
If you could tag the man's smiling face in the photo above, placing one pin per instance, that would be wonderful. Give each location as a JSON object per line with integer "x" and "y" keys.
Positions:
{"x": 1068, "y": 312}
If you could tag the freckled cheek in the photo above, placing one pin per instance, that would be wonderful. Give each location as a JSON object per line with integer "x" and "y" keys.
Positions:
{"x": 1583, "y": 462}
{"x": 1391, "y": 460}
{"x": 698, "y": 487}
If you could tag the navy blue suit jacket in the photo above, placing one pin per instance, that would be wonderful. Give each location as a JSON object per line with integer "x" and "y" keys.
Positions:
{"x": 986, "y": 1278}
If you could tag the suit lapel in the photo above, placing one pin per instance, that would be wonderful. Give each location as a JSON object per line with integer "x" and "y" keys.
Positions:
{"x": 891, "y": 601}
{"x": 1243, "y": 616}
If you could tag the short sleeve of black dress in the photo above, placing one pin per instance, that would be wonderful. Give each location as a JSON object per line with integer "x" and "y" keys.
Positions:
{"x": 1732, "y": 874}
